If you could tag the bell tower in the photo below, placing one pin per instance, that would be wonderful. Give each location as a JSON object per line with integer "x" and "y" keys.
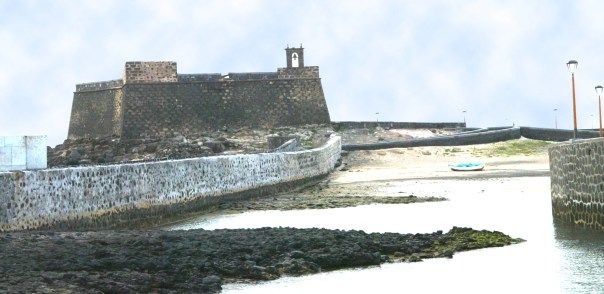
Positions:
{"x": 295, "y": 56}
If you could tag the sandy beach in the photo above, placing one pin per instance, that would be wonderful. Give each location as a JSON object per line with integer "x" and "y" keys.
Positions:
{"x": 415, "y": 171}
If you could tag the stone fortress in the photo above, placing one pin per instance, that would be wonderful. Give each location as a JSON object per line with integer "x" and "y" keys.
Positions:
{"x": 154, "y": 100}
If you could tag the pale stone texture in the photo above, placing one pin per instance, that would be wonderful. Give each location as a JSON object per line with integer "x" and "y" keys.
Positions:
{"x": 22, "y": 152}
{"x": 33, "y": 199}
{"x": 577, "y": 179}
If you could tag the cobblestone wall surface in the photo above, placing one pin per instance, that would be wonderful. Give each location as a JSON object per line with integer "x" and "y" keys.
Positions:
{"x": 555, "y": 134}
{"x": 150, "y": 72}
{"x": 243, "y": 76}
{"x": 471, "y": 138}
{"x": 577, "y": 181}
{"x": 153, "y": 100}
{"x": 44, "y": 198}
{"x": 96, "y": 86}
{"x": 309, "y": 72}
{"x": 397, "y": 125}
{"x": 157, "y": 110}
{"x": 188, "y": 78}
{"x": 96, "y": 113}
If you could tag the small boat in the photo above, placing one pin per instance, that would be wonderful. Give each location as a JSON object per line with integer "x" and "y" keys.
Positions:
{"x": 467, "y": 166}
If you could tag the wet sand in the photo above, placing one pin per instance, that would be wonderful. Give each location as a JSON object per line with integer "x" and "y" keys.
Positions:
{"x": 401, "y": 176}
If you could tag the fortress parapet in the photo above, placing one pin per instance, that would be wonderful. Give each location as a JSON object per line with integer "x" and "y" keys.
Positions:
{"x": 96, "y": 86}
{"x": 150, "y": 72}
{"x": 154, "y": 100}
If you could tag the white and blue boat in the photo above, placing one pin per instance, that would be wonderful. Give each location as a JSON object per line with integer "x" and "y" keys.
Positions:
{"x": 467, "y": 166}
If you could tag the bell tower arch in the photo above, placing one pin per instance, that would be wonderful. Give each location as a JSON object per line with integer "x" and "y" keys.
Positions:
{"x": 295, "y": 56}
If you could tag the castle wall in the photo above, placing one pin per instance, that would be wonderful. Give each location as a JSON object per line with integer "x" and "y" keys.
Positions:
{"x": 309, "y": 72}
{"x": 344, "y": 125}
{"x": 95, "y": 86}
{"x": 83, "y": 196}
{"x": 577, "y": 181}
{"x": 160, "y": 109}
{"x": 243, "y": 76}
{"x": 96, "y": 113}
{"x": 188, "y": 78}
{"x": 150, "y": 72}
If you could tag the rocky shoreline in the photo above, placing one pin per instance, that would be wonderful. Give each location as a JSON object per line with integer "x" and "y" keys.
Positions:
{"x": 326, "y": 195}
{"x": 201, "y": 260}
{"x": 111, "y": 150}
{"x": 306, "y": 201}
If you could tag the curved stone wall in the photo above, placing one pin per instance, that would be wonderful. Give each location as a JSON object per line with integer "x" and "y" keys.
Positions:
{"x": 555, "y": 134}
{"x": 577, "y": 179}
{"x": 341, "y": 125}
{"x": 481, "y": 136}
{"x": 34, "y": 199}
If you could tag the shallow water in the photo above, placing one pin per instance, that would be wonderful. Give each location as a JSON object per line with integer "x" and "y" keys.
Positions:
{"x": 553, "y": 260}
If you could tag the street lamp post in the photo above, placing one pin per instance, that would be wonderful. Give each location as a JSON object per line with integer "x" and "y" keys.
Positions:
{"x": 591, "y": 120}
{"x": 599, "y": 91}
{"x": 572, "y": 67}
{"x": 464, "y": 116}
{"x": 556, "y": 117}
{"x": 377, "y": 118}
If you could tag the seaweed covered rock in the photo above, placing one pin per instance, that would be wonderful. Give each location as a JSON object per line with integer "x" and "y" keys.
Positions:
{"x": 201, "y": 261}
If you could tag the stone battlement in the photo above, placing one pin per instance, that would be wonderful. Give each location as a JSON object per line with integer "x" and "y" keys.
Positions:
{"x": 150, "y": 72}
{"x": 309, "y": 72}
{"x": 193, "y": 78}
{"x": 96, "y": 86}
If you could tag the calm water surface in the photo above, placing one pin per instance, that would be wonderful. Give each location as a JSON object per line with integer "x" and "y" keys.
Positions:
{"x": 553, "y": 260}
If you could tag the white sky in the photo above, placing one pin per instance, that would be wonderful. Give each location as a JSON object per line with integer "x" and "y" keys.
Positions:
{"x": 502, "y": 61}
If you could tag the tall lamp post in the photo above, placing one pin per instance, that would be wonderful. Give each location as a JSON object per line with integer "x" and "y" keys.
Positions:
{"x": 464, "y": 116}
{"x": 591, "y": 119}
{"x": 599, "y": 91}
{"x": 572, "y": 67}
{"x": 556, "y": 117}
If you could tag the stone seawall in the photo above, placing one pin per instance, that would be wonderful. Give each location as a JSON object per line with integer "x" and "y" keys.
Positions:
{"x": 481, "y": 136}
{"x": 559, "y": 135}
{"x": 342, "y": 125}
{"x": 577, "y": 179}
{"x": 55, "y": 197}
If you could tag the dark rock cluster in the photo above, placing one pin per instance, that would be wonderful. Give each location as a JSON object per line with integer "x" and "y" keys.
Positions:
{"x": 201, "y": 261}
{"x": 111, "y": 150}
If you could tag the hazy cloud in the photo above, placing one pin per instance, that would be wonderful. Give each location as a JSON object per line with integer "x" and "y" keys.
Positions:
{"x": 502, "y": 61}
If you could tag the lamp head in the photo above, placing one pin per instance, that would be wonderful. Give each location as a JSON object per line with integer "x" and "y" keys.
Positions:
{"x": 599, "y": 89}
{"x": 572, "y": 66}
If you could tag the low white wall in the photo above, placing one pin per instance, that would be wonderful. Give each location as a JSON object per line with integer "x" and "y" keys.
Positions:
{"x": 31, "y": 199}
{"x": 22, "y": 152}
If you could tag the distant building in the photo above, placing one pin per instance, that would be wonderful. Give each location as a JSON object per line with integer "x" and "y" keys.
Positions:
{"x": 22, "y": 152}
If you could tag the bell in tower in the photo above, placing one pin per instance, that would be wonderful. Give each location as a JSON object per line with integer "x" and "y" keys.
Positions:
{"x": 295, "y": 56}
